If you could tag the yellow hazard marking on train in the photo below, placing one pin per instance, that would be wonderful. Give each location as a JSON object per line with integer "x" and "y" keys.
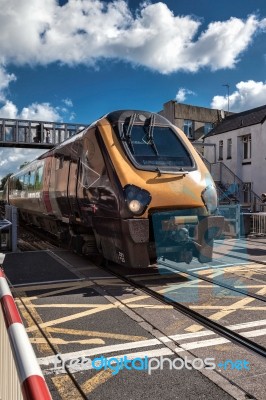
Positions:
{"x": 110, "y": 335}
{"x": 97, "y": 380}
{"x": 66, "y": 388}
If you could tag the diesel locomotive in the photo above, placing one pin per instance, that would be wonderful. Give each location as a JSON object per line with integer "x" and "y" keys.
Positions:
{"x": 130, "y": 186}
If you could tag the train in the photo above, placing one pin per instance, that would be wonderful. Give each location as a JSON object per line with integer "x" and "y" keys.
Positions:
{"x": 130, "y": 187}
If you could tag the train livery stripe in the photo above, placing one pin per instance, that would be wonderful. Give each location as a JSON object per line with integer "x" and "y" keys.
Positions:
{"x": 32, "y": 382}
{"x": 47, "y": 202}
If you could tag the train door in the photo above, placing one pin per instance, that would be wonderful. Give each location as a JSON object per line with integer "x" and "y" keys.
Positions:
{"x": 46, "y": 185}
{"x": 75, "y": 214}
{"x": 61, "y": 182}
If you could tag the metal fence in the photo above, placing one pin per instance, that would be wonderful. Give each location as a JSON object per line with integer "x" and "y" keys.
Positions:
{"x": 259, "y": 224}
{"x": 8, "y": 230}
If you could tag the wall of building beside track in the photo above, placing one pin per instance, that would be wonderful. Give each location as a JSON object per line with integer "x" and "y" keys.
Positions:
{"x": 20, "y": 374}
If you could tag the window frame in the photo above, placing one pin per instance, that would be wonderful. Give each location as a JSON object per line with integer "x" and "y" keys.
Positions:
{"x": 246, "y": 147}
{"x": 221, "y": 150}
{"x": 229, "y": 148}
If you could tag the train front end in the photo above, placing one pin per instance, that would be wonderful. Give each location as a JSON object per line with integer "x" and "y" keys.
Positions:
{"x": 167, "y": 198}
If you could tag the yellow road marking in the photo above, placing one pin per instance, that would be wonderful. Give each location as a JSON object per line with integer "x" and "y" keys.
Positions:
{"x": 194, "y": 328}
{"x": 97, "y": 380}
{"x": 72, "y": 287}
{"x": 72, "y": 317}
{"x": 63, "y": 341}
{"x": 97, "y": 305}
{"x": 78, "y": 285}
{"x": 59, "y": 305}
{"x": 262, "y": 291}
{"x": 98, "y": 334}
{"x": 47, "y": 286}
{"x": 231, "y": 308}
{"x": 136, "y": 298}
{"x": 66, "y": 388}
{"x": 44, "y": 346}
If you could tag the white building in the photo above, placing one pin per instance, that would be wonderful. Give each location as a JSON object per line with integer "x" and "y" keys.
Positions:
{"x": 239, "y": 142}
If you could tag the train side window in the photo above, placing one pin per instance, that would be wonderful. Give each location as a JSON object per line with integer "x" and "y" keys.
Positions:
{"x": 26, "y": 180}
{"x": 31, "y": 180}
{"x": 21, "y": 180}
{"x": 39, "y": 177}
{"x": 18, "y": 184}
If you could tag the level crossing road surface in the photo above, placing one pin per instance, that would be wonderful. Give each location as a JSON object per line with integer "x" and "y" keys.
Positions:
{"x": 75, "y": 312}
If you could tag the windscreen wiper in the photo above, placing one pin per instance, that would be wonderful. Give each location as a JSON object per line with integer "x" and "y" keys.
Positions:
{"x": 129, "y": 131}
{"x": 150, "y": 135}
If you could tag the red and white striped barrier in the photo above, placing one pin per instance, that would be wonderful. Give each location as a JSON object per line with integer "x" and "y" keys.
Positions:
{"x": 33, "y": 385}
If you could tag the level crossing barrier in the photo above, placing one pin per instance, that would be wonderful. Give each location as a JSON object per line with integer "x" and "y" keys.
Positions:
{"x": 20, "y": 375}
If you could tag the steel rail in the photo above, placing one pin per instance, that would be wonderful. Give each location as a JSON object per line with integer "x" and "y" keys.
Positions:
{"x": 206, "y": 322}
{"x": 215, "y": 282}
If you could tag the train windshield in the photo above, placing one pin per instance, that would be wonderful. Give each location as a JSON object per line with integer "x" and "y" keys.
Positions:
{"x": 156, "y": 146}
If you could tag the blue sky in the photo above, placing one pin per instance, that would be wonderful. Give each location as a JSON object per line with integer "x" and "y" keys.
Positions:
{"x": 74, "y": 61}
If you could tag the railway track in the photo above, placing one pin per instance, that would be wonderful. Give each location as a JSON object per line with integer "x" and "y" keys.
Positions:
{"x": 196, "y": 316}
{"x": 137, "y": 282}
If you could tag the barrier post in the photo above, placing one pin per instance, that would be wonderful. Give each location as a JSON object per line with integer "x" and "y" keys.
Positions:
{"x": 20, "y": 374}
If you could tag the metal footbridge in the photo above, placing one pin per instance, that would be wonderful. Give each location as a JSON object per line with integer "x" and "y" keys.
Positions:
{"x": 35, "y": 134}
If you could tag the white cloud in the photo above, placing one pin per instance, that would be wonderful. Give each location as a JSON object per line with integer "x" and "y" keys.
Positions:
{"x": 5, "y": 79}
{"x": 68, "y": 102}
{"x": 41, "y": 112}
{"x": 182, "y": 94}
{"x": 249, "y": 94}
{"x": 11, "y": 159}
{"x": 85, "y": 31}
{"x": 36, "y": 111}
{"x": 9, "y": 110}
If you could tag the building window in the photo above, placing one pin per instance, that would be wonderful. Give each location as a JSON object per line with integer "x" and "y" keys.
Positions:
{"x": 208, "y": 126}
{"x": 221, "y": 150}
{"x": 246, "y": 140}
{"x": 246, "y": 187}
{"x": 188, "y": 128}
{"x": 229, "y": 148}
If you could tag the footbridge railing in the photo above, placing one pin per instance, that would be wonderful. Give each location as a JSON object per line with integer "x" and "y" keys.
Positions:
{"x": 35, "y": 134}
{"x": 20, "y": 375}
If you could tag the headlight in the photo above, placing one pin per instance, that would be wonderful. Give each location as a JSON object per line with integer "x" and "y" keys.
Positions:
{"x": 137, "y": 199}
{"x": 209, "y": 197}
{"x": 134, "y": 206}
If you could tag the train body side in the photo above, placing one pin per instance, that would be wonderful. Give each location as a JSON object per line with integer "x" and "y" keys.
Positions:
{"x": 90, "y": 187}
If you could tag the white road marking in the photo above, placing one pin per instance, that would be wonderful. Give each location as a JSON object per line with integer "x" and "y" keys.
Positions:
{"x": 153, "y": 342}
